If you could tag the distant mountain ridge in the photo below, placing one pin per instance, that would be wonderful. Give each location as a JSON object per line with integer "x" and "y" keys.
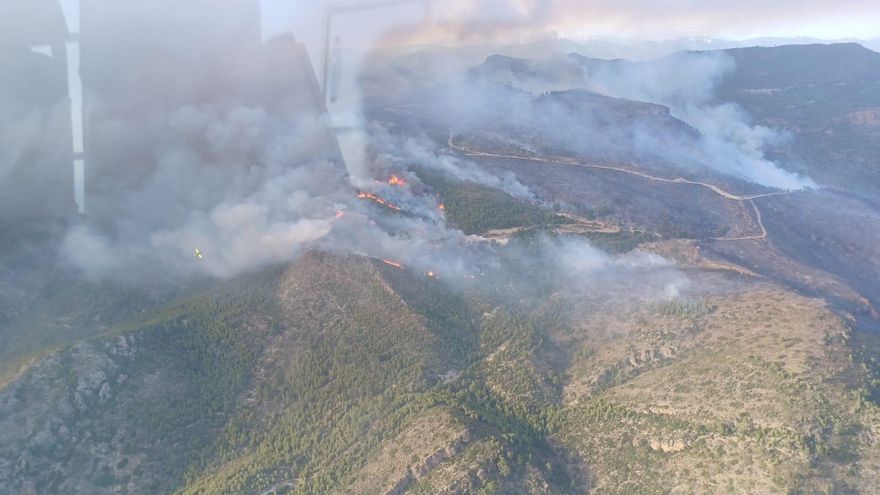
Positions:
{"x": 826, "y": 97}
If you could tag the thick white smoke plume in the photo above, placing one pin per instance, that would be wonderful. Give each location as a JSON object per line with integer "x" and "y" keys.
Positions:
{"x": 596, "y": 108}
{"x": 248, "y": 192}
{"x": 243, "y": 187}
{"x": 205, "y": 140}
{"x": 687, "y": 83}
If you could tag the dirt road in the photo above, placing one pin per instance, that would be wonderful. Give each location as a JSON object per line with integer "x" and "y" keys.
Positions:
{"x": 680, "y": 180}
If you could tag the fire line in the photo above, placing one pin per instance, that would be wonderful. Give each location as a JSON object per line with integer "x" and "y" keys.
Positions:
{"x": 394, "y": 264}
{"x": 378, "y": 200}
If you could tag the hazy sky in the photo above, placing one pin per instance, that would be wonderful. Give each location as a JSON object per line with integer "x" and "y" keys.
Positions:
{"x": 471, "y": 20}
{"x": 451, "y": 21}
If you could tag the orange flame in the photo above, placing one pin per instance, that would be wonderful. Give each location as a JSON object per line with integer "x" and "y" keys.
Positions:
{"x": 442, "y": 207}
{"x": 431, "y": 275}
{"x": 395, "y": 264}
{"x": 340, "y": 214}
{"x": 396, "y": 181}
{"x": 377, "y": 199}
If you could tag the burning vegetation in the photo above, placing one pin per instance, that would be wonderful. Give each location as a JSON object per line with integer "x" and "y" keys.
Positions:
{"x": 396, "y": 181}
{"x": 378, "y": 200}
{"x": 394, "y": 264}
{"x": 400, "y": 266}
{"x": 393, "y": 180}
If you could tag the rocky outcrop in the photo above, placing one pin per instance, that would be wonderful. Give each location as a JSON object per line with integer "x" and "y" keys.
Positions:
{"x": 425, "y": 466}
{"x": 48, "y": 415}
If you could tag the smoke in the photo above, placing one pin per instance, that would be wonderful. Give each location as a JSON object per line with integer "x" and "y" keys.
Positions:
{"x": 243, "y": 187}
{"x": 34, "y": 152}
{"x": 16, "y": 140}
{"x": 645, "y": 275}
{"x": 663, "y": 115}
{"x": 247, "y": 191}
{"x": 407, "y": 151}
{"x": 420, "y": 239}
{"x": 205, "y": 144}
{"x": 687, "y": 84}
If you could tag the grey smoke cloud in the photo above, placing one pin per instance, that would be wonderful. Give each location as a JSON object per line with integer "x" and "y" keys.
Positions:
{"x": 27, "y": 135}
{"x": 34, "y": 148}
{"x": 187, "y": 158}
{"x": 226, "y": 184}
{"x": 284, "y": 202}
{"x": 587, "y": 267}
{"x": 599, "y": 111}
{"x": 419, "y": 150}
{"x": 686, "y": 83}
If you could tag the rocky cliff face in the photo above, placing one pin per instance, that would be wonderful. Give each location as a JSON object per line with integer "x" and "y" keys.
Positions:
{"x": 60, "y": 426}
{"x": 425, "y": 466}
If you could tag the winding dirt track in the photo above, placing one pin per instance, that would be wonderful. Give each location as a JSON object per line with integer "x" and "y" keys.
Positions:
{"x": 680, "y": 180}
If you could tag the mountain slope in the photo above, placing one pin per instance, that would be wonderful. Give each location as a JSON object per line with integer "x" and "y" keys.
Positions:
{"x": 345, "y": 375}
{"x": 742, "y": 368}
{"x": 827, "y": 96}
{"x": 744, "y": 393}
{"x": 128, "y": 413}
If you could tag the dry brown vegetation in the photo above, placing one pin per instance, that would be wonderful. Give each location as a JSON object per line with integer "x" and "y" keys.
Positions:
{"x": 753, "y": 396}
